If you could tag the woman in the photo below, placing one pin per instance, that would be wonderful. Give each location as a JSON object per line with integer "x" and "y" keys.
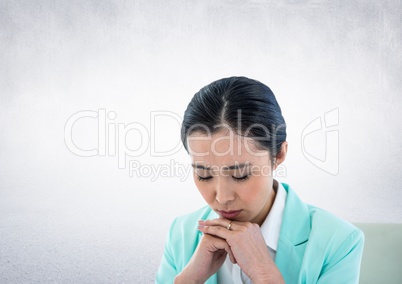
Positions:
{"x": 254, "y": 229}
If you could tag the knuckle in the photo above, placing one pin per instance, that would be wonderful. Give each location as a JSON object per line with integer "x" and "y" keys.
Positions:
{"x": 249, "y": 225}
{"x": 212, "y": 228}
{"x": 243, "y": 229}
{"x": 255, "y": 226}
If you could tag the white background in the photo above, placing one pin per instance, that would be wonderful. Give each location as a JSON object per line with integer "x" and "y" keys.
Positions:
{"x": 66, "y": 218}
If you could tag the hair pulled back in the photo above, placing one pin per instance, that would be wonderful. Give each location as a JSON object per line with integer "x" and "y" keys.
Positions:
{"x": 244, "y": 105}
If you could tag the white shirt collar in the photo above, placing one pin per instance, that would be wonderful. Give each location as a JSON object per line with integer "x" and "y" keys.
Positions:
{"x": 271, "y": 226}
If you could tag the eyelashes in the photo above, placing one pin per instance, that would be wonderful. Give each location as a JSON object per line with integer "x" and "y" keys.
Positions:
{"x": 246, "y": 177}
{"x": 237, "y": 179}
{"x": 203, "y": 178}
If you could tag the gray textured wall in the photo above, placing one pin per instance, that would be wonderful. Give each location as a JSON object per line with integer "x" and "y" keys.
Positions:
{"x": 68, "y": 218}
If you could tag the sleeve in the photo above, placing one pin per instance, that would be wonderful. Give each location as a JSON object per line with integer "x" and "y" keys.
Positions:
{"x": 167, "y": 269}
{"x": 344, "y": 264}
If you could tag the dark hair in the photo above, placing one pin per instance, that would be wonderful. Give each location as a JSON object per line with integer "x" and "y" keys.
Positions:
{"x": 245, "y": 105}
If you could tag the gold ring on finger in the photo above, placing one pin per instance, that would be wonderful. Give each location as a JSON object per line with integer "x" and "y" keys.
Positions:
{"x": 229, "y": 226}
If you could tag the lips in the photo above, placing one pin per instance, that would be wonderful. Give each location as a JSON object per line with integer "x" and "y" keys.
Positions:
{"x": 229, "y": 214}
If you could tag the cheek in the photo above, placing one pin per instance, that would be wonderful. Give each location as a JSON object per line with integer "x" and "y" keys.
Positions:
{"x": 205, "y": 190}
{"x": 256, "y": 191}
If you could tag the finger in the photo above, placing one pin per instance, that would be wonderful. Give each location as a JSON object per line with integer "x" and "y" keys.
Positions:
{"x": 222, "y": 244}
{"x": 219, "y": 222}
{"x": 219, "y": 243}
{"x": 232, "y": 258}
{"x": 215, "y": 230}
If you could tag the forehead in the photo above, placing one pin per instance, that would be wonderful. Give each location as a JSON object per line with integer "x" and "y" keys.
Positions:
{"x": 224, "y": 148}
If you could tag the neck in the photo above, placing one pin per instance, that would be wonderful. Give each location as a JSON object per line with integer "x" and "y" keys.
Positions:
{"x": 269, "y": 204}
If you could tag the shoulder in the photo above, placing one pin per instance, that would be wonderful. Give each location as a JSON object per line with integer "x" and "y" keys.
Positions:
{"x": 186, "y": 226}
{"x": 327, "y": 227}
{"x": 333, "y": 232}
{"x": 184, "y": 236}
{"x": 316, "y": 225}
{"x": 336, "y": 244}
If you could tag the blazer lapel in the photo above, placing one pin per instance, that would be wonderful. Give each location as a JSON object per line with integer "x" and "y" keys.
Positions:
{"x": 295, "y": 231}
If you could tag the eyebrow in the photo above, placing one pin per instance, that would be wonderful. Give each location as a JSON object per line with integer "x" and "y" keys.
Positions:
{"x": 234, "y": 167}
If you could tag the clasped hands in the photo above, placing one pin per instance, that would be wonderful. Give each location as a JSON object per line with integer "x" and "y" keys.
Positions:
{"x": 244, "y": 244}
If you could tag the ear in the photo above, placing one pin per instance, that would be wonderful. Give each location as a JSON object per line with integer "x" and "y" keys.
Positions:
{"x": 281, "y": 156}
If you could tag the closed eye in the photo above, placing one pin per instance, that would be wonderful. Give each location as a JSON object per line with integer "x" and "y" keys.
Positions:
{"x": 241, "y": 178}
{"x": 200, "y": 178}
{"x": 238, "y": 179}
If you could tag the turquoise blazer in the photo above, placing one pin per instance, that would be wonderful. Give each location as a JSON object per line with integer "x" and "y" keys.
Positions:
{"x": 314, "y": 246}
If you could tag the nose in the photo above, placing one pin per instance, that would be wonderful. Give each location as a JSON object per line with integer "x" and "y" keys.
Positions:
{"x": 223, "y": 193}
